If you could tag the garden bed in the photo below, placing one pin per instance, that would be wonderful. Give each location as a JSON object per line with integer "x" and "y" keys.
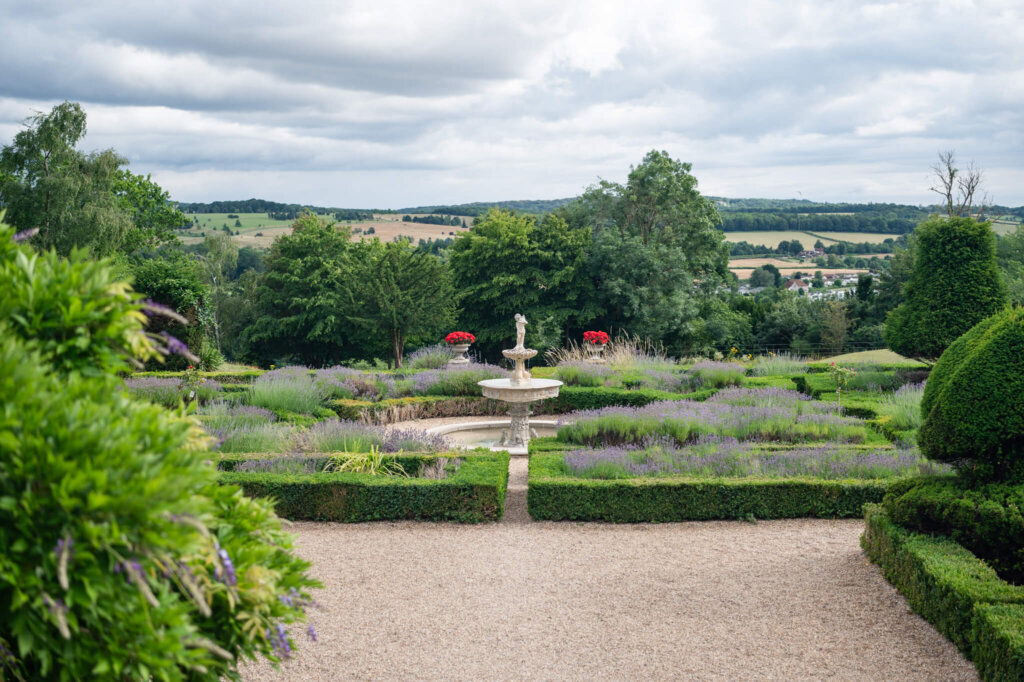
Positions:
{"x": 554, "y": 495}
{"x": 471, "y": 493}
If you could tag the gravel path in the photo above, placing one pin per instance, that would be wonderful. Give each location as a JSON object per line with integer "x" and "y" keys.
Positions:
{"x": 517, "y": 600}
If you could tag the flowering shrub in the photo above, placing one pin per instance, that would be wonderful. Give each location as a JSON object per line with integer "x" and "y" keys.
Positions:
{"x": 716, "y": 456}
{"x": 456, "y": 381}
{"x": 121, "y": 557}
{"x": 459, "y": 337}
{"x": 595, "y": 338}
{"x": 766, "y": 414}
{"x": 430, "y": 357}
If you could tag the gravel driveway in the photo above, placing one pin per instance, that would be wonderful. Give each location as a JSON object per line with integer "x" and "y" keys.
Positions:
{"x": 520, "y": 600}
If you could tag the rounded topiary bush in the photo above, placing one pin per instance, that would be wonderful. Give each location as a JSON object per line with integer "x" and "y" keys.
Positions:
{"x": 974, "y": 401}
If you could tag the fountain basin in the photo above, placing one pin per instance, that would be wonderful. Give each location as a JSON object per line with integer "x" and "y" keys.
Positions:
{"x": 507, "y": 391}
{"x": 488, "y": 434}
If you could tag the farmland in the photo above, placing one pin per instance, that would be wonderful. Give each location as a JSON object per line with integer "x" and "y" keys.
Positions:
{"x": 260, "y": 231}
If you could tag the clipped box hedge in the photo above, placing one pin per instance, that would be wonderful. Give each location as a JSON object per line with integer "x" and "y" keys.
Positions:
{"x": 998, "y": 641}
{"x": 988, "y": 520}
{"x": 245, "y": 376}
{"x": 570, "y": 399}
{"x": 416, "y": 407}
{"x": 475, "y": 493}
{"x": 952, "y": 589}
{"x": 555, "y": 496}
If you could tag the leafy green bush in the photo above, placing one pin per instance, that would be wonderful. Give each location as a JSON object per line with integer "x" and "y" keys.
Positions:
{"x": 987, "y": 520}
{"x": 572, "y": 398}
{"x": 974, "y": 401}
{"x": 120, "y": 555}
{"x": 942, "y": 581}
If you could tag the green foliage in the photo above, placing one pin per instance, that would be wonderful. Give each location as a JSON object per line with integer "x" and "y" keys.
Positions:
{"x": 408, "y": 294}
{"x": 974, "y": 401}
{"x": 176, "y": 280}
{"x": 954, "y": 285}
{"x": 572, "y": 398}
{"x": 68, "y": 195}
{"x": 120, "y": 555}
{"x": 474, "y": 493}
{"x": 653, "y": 238}
{"x": 997, "y": 641}
{"x": 988, "y": 520}
{"x": 307, "y": 297}
{"x": 372, "y": 462}
{"x": 508, "y": 264}
{"x": 79, "y": 317}
{"x": 554, "y": 496}
{"x": 154, "y": 218}
{"x": 942, "y": 581}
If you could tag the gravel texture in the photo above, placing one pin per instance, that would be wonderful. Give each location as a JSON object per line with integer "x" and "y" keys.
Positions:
{"x": 521, "y": 600}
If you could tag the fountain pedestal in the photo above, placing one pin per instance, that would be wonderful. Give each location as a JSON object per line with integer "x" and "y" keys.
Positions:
{"x": 519, "y": 391}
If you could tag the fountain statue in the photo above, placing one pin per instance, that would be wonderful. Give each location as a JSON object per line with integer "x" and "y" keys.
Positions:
{"x": 519, "y": 391}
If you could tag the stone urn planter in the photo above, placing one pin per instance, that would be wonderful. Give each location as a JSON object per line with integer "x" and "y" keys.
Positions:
{"x": 460, "y": 358}
{"x": 595, "y": 342}
{"x": 460, "y": 343}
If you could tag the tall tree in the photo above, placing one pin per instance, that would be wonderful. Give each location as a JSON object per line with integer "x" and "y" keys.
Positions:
{"x": 47, "y": 184}
{"x": 954, "y": 284}
{"x": 308, "y": 297}
{"x": 509, "y": 263}
{"x": 656, "y": 249}
{"x": 77, "y": 199}
{"x": 408, "y": 294}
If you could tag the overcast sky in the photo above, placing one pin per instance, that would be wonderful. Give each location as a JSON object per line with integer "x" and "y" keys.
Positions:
{"x": 392, "y": 104}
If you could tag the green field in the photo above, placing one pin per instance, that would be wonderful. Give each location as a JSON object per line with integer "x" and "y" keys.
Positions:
{"x": 772, "y": 239}
{"x": 1004, "y": 225}
{"x": 858, "y": 237}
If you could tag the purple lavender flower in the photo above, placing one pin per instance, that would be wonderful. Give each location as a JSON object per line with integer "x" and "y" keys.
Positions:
{"x": 151, "y": 309}
{"x": 229, "y": 577}
{"x": 279, "y": 642}
{"x": 311, "y": 633}
{"x": 25, "y": 235}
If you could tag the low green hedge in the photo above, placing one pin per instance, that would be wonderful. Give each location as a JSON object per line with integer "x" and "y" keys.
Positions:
{"x": 416, "y": 407}
{"x": 554, "y": 496}
{"x": 946, "y": 584}
{"x": 988, "y": 520}
{"x": 235, "y": 377}
{"x": 998, "y": 641}
{"x": 572, "y": 398}
{"x": 475, "y": 493}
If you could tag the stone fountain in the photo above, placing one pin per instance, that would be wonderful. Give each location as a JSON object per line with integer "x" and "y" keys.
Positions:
{"x": 519, "y": 391}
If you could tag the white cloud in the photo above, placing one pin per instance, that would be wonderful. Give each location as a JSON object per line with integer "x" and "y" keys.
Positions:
{"x": 396, "y": 103}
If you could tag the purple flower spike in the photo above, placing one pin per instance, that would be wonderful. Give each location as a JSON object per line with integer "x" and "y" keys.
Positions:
{"x": 25, "y": 235}
{"x": 229, "y": 568}
{"x": 311, "y": 632}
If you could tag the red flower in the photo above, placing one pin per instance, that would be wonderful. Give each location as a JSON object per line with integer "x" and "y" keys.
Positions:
{"x": 460, "y": 337}
{"x": 595, "y": 338}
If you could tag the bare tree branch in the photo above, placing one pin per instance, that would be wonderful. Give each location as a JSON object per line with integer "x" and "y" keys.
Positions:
{"x": 958, "y": 188}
